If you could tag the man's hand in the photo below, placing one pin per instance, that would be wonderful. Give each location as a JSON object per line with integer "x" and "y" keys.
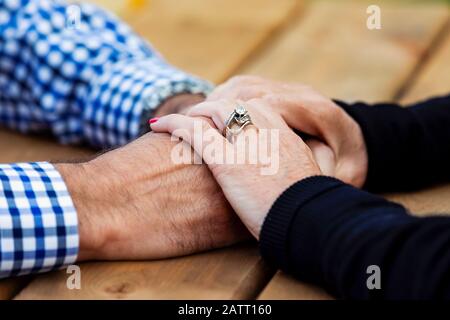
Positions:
{"x": 339, "y": 147}
{"x": 134, "y": 203}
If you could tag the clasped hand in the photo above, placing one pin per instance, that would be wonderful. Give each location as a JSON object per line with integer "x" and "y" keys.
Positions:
{"x": 338, "y": 149}
{"x": 136, "y": 203}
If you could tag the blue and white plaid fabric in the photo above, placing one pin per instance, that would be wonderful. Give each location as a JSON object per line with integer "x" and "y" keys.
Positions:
{"x": 38, "y": 221}
{"x": 87, "y": 81}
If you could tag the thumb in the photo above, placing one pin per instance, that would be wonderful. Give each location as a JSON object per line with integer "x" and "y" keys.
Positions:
{"x": 324, "y": 156}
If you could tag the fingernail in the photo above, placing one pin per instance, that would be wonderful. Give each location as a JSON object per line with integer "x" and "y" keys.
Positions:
{"x": 153, "y": 120}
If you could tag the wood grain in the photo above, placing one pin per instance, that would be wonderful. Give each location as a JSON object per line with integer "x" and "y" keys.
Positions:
{"x": 332, "y": 49}
{"x": 434, "y": 200}
{"x": 434, "y": 78}
{"x": 229, "y": 273}
{"x": 10, "y": 287}
{"x": 344, "y": 67}
{"x": 17, "y": 147}
{"x": 209, "y": 38}
{"x": 285, "y": 287}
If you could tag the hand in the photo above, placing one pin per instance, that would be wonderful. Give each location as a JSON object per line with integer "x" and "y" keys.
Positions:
{"x": 344, "y": 154}
{"x": 249, "y": 188}
{"x": 179, "y": 103}
{"x": 134, "y": 203}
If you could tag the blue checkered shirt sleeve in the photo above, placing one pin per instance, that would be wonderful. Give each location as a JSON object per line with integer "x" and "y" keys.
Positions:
{"x": 80, "y": 73}
{"x": 38, "y": 221}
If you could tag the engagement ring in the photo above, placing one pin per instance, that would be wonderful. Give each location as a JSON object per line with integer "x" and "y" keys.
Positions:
{"x": 237, "y": 121}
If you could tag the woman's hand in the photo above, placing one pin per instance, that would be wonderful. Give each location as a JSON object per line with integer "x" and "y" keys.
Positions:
{"x": 344, "y": 155}
{"x": 255, "y": 167}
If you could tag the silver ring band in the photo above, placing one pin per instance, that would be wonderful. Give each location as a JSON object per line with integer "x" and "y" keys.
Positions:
{"x": 240, "y": 118}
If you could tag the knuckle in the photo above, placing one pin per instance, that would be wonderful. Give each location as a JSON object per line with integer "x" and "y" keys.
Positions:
{"x": 272, "y": 99}
{"x": 205, "y": 125}
{"x": 218, "y": 114}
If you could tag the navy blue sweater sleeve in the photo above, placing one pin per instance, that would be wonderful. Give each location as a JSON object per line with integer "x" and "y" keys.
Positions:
{"x": 329, "y": 233}
{"x": 409, "y": 147}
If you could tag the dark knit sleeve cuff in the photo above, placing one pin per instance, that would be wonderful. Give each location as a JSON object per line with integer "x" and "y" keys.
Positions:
{"x": 314, "y": 225}
{"x": 276, "y": 228}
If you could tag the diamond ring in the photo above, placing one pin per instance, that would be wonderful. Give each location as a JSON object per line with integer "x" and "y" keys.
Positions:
{"x": 238, "y": 118}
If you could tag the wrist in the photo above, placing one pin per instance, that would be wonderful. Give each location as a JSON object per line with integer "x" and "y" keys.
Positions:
{"x": 116, "y": 195}
{"x": 85, "y": 190}
{"x": 134, "y": 203}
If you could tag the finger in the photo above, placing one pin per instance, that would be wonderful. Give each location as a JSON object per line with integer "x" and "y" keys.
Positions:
{"x": 230, "y": 88}
{"x": 307, "y": 116}
{"x": 263, "y": 114}
{"x": 221, "y": 91}
{"x": 324, "y": 156}
{"x": 195, "y": 131}
{"x": 260, "y": 90}
{"x": 218, "y": 111}
{"x": 250, "y": 87}
{"x": 186, "y": 111}
{"x": 245, "y": 92}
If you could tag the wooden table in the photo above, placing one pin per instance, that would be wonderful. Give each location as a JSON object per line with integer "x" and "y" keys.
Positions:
{"x": 322, "y": 43}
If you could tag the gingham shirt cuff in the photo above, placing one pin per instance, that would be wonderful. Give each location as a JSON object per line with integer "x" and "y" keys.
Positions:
{"x": 38, "y": 221}
{"x": 128, "y": 90}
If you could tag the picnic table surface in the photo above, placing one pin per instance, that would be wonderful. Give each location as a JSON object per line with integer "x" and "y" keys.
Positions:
{"x": 323, "y": 43}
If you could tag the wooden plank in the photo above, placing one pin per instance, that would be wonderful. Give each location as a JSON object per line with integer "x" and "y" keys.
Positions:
{"x": 434, "y": 200}
{"x": 345, "y": 60}
{"x": 434, "y": 78}
{"x": 10, "y": 287}
{"x": 332, "y": 49}
{"x": 222, "y": 274}
{"x": 16, "y": 147}
{"x": 285, "y": 287}
{"x": 209, "y": 38}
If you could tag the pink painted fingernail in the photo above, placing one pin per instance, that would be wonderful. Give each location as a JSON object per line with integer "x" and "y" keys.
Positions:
{"x": 153, "y": 120}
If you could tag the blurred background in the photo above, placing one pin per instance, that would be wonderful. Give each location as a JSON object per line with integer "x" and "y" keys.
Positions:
{"x": 324, "y": 43}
